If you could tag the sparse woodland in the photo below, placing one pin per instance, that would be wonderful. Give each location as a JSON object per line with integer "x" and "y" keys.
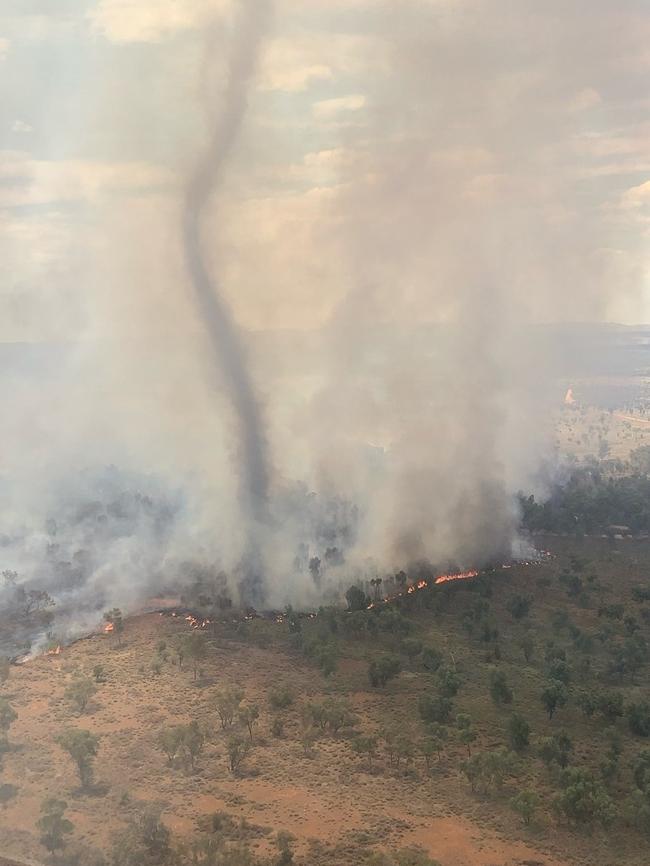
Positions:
{"x": 517, "y": 701}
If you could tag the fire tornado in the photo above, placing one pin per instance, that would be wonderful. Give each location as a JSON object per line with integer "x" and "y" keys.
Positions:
{"x": 230, "y": 363}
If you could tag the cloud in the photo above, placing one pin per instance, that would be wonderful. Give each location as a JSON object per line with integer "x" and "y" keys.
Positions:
{"x": 151, "y": 20}
{"x": 19, "y": 126}
{"x": 326, "y": 109}
{"x": 293, "y": 63}
{"x": 28, "y": 181}
{"x": 637, "y": 196}
{"x": 294, "y": 78}
{"x": 585, "y": 99}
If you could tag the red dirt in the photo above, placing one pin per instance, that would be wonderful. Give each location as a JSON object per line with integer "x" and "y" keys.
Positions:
{"x": 326, "y": 797}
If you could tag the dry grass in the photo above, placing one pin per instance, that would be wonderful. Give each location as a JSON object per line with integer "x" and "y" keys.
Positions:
{"x": 330, "y": 800}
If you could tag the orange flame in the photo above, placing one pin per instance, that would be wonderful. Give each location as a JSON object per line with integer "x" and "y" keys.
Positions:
{"x": 462, "y": 575}
{"x": 196, "y": 623}
{"x": 422, "y": 584}
{"x": 109, "y": 627}
{"x": 54, "y": 652}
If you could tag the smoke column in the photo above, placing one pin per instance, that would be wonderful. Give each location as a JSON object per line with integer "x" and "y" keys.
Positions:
{"x": 396, "y": 258}
{"x": 225, "y": 340}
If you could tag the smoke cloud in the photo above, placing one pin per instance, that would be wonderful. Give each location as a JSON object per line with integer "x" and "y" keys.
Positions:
{"x": 397, "y": 198}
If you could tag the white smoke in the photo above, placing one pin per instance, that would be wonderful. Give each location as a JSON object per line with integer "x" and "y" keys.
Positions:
{"x": 391, "y": 206}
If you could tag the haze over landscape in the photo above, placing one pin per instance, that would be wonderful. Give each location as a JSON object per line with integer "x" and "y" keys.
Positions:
{"x": 389, "y": 165}
{"x": 293, "y": 292}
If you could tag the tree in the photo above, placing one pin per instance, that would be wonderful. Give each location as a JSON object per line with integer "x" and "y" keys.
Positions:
{"x": 525, "y": 804}
{"x": 642, "y": 771}
{"x": 556, "y": 749}
{"x": 238, "y": 748}
{"x": 248, "y": 716}
{"x": 192, "y": 743}
{"x": 5, "y": 669}
{"x": 283, "y": 841}
{"x": 115, "y": 623}
{"x": 497, "y": 765}
{"x": 553, "y": 696}
{"x": 629, "y": 658}
{"x": 638, "y": 717}
{"x": 53, "y": 825}
{"x": 365, "y": 745}
{"x": 277, "y": 727}
{"x": 518, "y": 732}
{"x": 637, "y": 811}
{"x": 466, "y": 732}
{"x": 401, "y": 578}
{"x": 154, "y": 835}
{"x": 169, "y": 741}
{"x": 315, "y": 569}
{"x": 316, "y": 714}
{"x": 448, "y": 682}
{"x": 472, "y": 768}
{"x": 99, "y": 673}
{"x": 145, "y": 843}
{"x": 584, "y": 799}
{"x": 528, "y": 647}
{"x": 325, "y": 654}
{"x": 499, "y": 689}
{"x": 79, "y": 692}
{"x": 488, "y": 769}
{"x": 356, "y": 598}
{"x": 412, "y": 648}
{"x": 519, "y": 606}
{"x": 610, "y": 706}
{"x": 559, "y": 670}
{"x": 308, "y": 736}
{"x": 431, "y": 658}
{"x": 403, "y": 857}
{"x": 434, "y": 708}
{"x": 434, "y": 742}
{"x": 179, "y": 648}
{"x": 9, "y": 578}
{"x": 196, "y": 650}
{"x": 292, "y": 619}
{"x": 428, "y": 749}
{"x": 337, "y": 713}
{"x": 383, "y": 669}
{"x": 33, "y": 601}
{"x": 404, "y": 750}
{"x": 7, "y": 715}
{"x": 610, "y": 766}
{"x": 588, "y": 702}
{"x": 376, "y": 583}
{"x": 280, "y": 698}
{"x": 392, "y": 621}
{"x": 82, "y": 746}
{"x": 227, "y": 703}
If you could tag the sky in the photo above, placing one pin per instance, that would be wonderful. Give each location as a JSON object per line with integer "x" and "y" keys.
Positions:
{"x": 374, "y": 130}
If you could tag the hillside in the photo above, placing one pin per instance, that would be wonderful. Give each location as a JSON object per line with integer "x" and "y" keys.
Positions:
{"x": 347, "y": 768}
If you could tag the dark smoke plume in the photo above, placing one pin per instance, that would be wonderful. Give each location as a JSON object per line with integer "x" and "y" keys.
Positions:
{"x": 229, "y": 354}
